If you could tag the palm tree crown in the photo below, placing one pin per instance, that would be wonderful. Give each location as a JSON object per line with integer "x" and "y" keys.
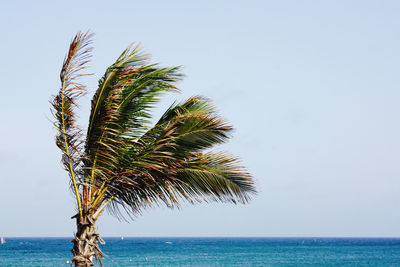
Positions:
{"x": 124, "y": 161}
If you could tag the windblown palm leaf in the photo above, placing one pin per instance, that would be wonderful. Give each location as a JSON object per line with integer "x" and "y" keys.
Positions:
{"x": 124, "y": 161}
{"x": 69, "y": 138}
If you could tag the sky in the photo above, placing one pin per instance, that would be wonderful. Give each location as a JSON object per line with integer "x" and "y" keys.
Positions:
{"x": 311, "y": 87}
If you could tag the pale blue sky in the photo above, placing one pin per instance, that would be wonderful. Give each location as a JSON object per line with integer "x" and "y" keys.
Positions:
{"x": 312, "y": 88}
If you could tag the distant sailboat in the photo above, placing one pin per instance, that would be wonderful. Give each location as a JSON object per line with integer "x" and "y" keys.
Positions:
{"x": 2, "y": 240}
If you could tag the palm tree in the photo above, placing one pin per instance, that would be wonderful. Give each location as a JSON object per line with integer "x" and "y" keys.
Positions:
{"x": 125, "y": 164}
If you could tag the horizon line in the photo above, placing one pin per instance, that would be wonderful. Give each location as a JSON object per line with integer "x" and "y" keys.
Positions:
{"x": 267, "y": 237}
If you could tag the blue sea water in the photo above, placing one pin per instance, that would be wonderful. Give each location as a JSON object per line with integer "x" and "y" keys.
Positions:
{"x": 211, "y": 252}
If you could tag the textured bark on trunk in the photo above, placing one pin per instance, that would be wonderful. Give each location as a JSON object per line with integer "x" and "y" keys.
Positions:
{"x": 86, "y": 247}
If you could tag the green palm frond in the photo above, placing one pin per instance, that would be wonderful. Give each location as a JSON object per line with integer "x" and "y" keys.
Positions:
{"x": 167, "y": 164}
{"x": 217, "y": 177}
{"x": 121, "y": 108}
{"x": 200, "y": 177}
{"x": 187, "y": 127}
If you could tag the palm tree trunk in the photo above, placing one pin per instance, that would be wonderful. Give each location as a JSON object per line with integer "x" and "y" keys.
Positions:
{"x": 86, "y": 247}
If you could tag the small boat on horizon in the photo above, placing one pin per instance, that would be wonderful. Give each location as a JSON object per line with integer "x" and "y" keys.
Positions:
{"x": 2, "y": 240}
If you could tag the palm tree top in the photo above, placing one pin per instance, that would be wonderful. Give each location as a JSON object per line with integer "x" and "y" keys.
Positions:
{"x": 124, "y": 161}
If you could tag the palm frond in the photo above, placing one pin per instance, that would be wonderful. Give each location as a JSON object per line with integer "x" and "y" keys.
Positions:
{"x": 201, "y": 177}
{"x": 185, "y": 128}
{"x": 69, "y": 138}
{"x": 167, "y": 164}
{"x": 121, "y": 105}
{"x": 215, "y": 176}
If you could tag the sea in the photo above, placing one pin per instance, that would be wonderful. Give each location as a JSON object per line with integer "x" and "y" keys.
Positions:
{"x": 168, "y": 251}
